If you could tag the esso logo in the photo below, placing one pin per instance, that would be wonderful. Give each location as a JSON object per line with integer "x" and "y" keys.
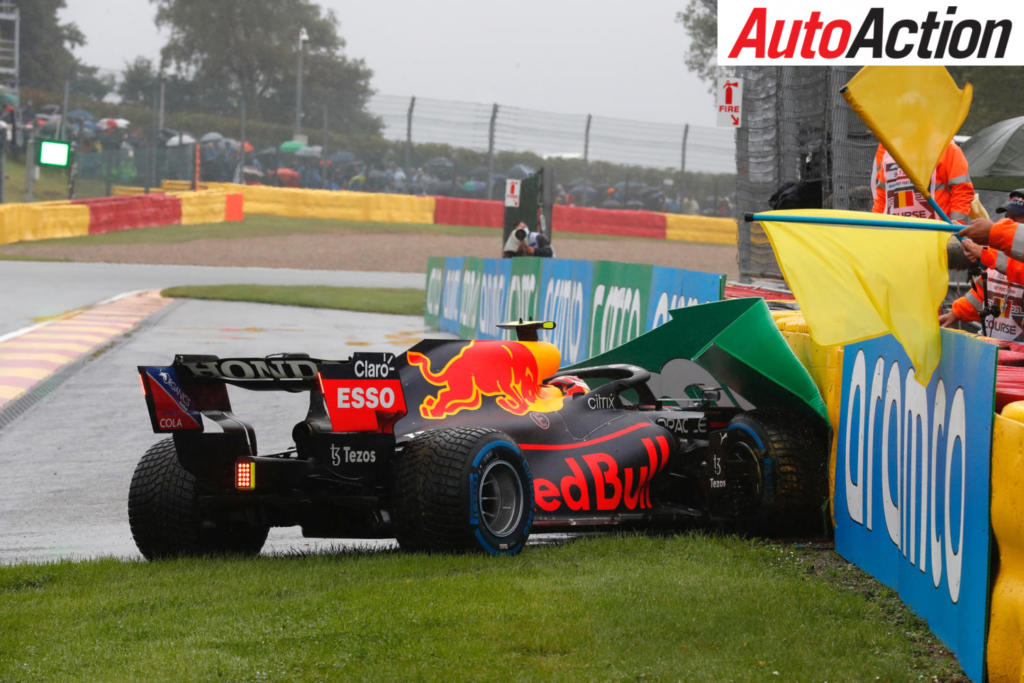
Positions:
{"x": 366, "y": 397}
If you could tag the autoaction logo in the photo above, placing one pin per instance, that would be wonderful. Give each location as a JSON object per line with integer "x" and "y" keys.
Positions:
{"x": 862, "y": 33}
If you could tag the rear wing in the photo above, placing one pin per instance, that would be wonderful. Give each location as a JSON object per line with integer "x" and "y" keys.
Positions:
{"x": 363, "y": 393}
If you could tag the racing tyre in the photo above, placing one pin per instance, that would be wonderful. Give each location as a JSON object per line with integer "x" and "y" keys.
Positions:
{"x": 792, "y": 457}
{"x": 163, "y": 511}
{"x": 464, "y": 489}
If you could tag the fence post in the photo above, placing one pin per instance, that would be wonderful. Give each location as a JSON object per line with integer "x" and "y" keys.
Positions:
{"x": 490, "y": 151}
{"x": 682, "y": 167}
{"x": 586, "y": 159}
{"x": 323, "y": 155}
{"x": 408, "y": 132}
{"x": 240, "y": 171}
{"x": 30, "y": 167}
{"x": 108, "y": 159}
{"x": 64, "y": 108}
{"x": 3, "y": 165}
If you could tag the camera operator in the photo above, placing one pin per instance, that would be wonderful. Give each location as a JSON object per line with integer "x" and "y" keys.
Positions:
{"x": 523, "y": 242}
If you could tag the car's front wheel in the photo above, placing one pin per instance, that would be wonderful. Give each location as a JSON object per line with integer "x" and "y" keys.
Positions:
{"x": 463, "y": 489}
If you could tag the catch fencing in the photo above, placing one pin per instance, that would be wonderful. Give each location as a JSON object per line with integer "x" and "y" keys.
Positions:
{"x": 798, "y": 130}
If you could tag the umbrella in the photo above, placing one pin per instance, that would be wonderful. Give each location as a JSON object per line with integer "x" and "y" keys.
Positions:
{"x": 181, "y": 139}
{"x": 8, "y": 97}
{"x": 997, "y": 152}
{"x": 290, "y": 146}
{"x": 252, "y": 172}
{"x": 211, "y": 137}
{"x": 519, "y": 171}
{"x": 340, "y": 158}
{"x": 110, "y": 124}
{"x": 79, "y": 114}
{"x": 288, "y": 177}
{"x": 312, "y": 152}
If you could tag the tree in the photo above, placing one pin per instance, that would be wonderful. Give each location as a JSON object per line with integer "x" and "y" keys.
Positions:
{"x": 46, "y": 60}
{"x": 248, "y": 49}
{"x": 90, "y": 82}
{"x": 700, "y": 19}
{"x": 994, "y": 98}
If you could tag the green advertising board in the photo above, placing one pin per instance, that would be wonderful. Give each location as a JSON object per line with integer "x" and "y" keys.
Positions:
{"x": 523, "y": 290}
{"x": 619, "y": 304}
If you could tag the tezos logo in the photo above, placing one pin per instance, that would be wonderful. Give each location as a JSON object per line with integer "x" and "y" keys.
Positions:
{"x": 860, "y": 33}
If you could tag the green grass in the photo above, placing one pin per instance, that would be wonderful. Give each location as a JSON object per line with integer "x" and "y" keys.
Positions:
{"x": 677, "y": 608}
{"x": 52, "y": 184}
{"x": 373, "y": 300}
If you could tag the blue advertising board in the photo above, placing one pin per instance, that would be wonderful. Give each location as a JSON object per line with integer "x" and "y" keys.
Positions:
{"x": 676, "y": 288}
{"x": 912, "y": 482}
{"x": 493, "y": 297}
{"x": 451, "y": 296}
{"x": 565, "y": 293}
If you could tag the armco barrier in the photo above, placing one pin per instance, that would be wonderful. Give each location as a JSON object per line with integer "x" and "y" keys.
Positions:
{"x": 42, "y": 220}
{"x": 700, "y": 229}
{"x": 608, "y": 221}
{"x": 478, "y": 212}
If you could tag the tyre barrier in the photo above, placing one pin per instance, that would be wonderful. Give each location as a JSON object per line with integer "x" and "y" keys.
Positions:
{"x": 401, "y": 208}
{"x": 107, "y": 214}
{"x": 29, "y": 222}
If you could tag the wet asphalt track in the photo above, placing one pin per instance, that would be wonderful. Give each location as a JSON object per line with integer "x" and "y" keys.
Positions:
{"x": 66, "y": 461}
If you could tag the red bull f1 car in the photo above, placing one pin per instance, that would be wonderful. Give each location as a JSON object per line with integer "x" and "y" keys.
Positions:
{"x": 462, "y": 445}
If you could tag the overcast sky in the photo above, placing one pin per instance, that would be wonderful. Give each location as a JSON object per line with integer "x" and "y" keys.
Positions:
{"x": 601, "y": 57}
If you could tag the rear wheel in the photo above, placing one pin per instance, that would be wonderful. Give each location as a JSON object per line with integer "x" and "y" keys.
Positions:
{"x": 792, "y": 457}
{"x": 463, "y": 489}
{"x": 163, "y": 511}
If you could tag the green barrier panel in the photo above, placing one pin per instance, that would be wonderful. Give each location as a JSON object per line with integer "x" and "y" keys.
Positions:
{"x": 469, "y": 306}
{"x": 736, "y": 341}
{"x": 434, "y": 289}
{"x": 619, "y": 304}
{"x": 523, "y": 290}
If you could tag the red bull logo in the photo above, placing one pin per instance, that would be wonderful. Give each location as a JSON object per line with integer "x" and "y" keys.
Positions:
{"x": 510, "y": 371}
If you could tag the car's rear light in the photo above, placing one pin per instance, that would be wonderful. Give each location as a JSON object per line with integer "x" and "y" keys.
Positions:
{"x": 245, "y": 475}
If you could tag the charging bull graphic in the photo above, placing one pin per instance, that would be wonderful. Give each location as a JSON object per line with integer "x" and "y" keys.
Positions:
{"x": 509, "y": 370}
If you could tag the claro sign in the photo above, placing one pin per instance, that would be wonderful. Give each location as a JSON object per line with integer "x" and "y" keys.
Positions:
{"x": 862, "y": 33}
{"x": 912, "y": 482}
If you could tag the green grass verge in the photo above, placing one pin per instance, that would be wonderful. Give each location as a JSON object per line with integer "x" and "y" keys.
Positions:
{"x": 372, "y": 300}
{"x": 679, "y": 608}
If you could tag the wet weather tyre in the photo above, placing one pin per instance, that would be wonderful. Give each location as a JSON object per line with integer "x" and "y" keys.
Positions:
{"x": 164, "y": 514}
{"x": 463, "y": 489}
{"x": 792, "y": 459}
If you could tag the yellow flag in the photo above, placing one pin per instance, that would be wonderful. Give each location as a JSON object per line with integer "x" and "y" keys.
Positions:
{"x": 913, "y": 110}
{"x": 855, "y": 283}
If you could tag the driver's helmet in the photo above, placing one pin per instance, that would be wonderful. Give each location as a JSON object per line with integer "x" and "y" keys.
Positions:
{"x": 570, "y": 385}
